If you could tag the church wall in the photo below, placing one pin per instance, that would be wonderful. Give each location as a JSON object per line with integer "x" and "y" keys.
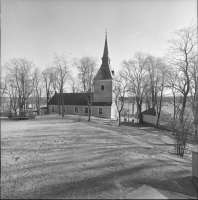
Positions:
{"x": 69, "y": 109}
{"x": 114, "y": 112}
{"x": 55, "y": 109}
{"x": 103, "y": 95}
{"x": 106, "y": 111}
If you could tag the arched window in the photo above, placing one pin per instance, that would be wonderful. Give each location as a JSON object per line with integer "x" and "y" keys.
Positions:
{"x": 102, "y": 87}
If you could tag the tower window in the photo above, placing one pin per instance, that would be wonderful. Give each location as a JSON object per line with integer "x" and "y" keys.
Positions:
{"x": 102, "y": 87}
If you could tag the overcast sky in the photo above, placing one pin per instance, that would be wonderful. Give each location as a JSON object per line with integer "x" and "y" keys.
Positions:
{"x": 37, "y": 29}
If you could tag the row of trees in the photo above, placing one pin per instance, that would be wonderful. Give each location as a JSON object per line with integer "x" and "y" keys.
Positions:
{"x": 152, "y": 80}
{"x": 21, "y": 79}
{"x": 171, "y": 80}
{"x": 145, "y": 77}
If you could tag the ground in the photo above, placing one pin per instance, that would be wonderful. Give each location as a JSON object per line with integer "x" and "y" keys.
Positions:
{"x": 55, "y": 157}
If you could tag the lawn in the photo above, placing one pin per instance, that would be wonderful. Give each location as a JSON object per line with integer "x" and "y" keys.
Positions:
{"x": 55, "y": 157}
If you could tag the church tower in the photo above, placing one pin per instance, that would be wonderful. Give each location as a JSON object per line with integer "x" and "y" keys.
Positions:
{"x": 103, "y": 82}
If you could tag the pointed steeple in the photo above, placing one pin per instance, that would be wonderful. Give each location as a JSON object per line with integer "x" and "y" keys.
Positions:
{"x": 105, "y": 69}
{"x": 106, "y": 53}
{"x": 105, "y": 58}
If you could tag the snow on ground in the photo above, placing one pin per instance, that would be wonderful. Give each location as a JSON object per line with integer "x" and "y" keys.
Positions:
{"x": 55, "y": 157}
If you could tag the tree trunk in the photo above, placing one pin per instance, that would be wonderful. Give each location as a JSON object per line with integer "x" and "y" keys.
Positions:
{"x": 133, "y": 102}
{"x": 183, "y": 108}
{"x": 196, "y": 109}
{"x": 196, "y": 130}
{"x": 63, "y": 108}
{"x": 139, "y": 106}
{"x": 174, "y": 106}
{"x": 15, "y": 113}
{"x": 160, "y": 106}
{"x": 59, "y": 109}
{"x": 89, "y": 106}
{"x": 119, "y": 123}
{"x": 10, "y": 115}
{"x": 158, "y": 117}
{"x": 89, "y": 119}
{"x": 47, "y": 103}
{"x": 153, "y": 96}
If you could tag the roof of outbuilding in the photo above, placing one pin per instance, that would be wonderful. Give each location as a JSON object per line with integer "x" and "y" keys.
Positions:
{"x": 75, "y": 99}
{"x": 150, "y": 111}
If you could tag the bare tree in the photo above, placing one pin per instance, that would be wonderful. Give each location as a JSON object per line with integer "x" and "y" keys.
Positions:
{"x": 176, "y": 98}
{"x": 152, "y": 68}
{"x": 38, "y": 88}
{"x": 20, "y": 71}
{"x": 74, "y": 84}
{"x": 137, "y": 76}
{"x": 87, "y": 68}
{"x": 120, "y": 90}
{"x": 160, "y": 85}
{"x": 60, "y": 76}
{"x": 180, "y": 57}
{"x": 181, "y": 134}
{"x": 4, "y": 80}
{"x": 12, "y": 92}
{"x": 194, "y": 91}
{"x": 47, "y": 74}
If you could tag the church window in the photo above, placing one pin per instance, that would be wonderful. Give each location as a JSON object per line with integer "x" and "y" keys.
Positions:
{"x": 86, "y": 110}
{"x": 75, "y": 109}
{"x": 52, "y": 108}
{"x": 102, "y": 87}
{"x": 100, "y": 111}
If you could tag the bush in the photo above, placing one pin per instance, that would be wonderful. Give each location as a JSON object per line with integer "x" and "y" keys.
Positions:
{"x": 182, "y": 132}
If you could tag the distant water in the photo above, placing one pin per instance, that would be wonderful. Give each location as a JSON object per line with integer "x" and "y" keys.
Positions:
{"x": 128, "y": 106}
{"x": 168, "y": 109}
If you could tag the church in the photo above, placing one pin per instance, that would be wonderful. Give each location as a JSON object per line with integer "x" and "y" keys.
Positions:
{"x": 103, "y": 104}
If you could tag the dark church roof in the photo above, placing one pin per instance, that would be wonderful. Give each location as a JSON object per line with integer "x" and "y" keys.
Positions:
{"x": 75, "y": 99}
{"x": 105, "y": 72}
{"x": 150, "y": 111}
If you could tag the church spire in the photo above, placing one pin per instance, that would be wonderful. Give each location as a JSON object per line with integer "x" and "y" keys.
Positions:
{"x": 105, "y": 69}
{"x": 106, "y": 53}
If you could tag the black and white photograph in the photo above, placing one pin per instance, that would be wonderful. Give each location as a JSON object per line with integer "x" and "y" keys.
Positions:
{"x": 99, "y": 99}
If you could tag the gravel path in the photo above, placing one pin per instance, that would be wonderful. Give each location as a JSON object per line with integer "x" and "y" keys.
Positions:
{"x": 54, "y": 157}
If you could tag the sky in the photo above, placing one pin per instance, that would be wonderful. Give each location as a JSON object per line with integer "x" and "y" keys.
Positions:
{"x": 35, "y": 29}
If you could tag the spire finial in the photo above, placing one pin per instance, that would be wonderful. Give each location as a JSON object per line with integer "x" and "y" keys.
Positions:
{"x": 106, "y": 32}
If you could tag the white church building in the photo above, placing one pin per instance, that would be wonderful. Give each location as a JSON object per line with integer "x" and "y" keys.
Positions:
{"x": 103, "y": 104}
